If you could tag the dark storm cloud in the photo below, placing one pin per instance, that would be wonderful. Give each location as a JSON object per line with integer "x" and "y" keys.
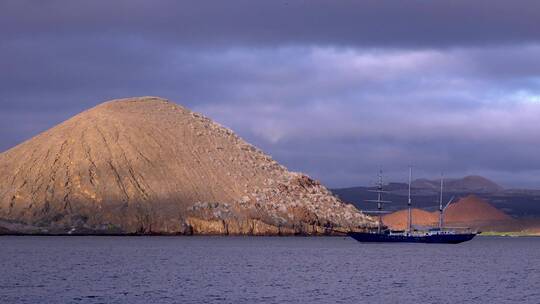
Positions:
{"x": 344, "y": 23}
{"x": 336, "y": 89}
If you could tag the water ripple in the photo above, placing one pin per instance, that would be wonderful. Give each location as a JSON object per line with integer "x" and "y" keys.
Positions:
{"x": 266, "y": 270}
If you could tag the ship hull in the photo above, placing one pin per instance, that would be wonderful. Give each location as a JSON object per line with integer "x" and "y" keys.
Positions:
{"x": 434, "y": 239}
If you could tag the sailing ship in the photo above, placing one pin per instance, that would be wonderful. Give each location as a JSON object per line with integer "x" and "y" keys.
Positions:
{"x": 440, "y": 234}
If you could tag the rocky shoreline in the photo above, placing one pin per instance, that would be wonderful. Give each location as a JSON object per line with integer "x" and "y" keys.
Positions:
{"x": 193, "y": 226}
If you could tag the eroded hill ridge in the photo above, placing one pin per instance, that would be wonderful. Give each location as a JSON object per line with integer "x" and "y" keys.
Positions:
{"x": 147, "y": 165}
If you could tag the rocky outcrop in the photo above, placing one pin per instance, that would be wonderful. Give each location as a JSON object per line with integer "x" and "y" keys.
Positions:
{"x": 146, "y": 165}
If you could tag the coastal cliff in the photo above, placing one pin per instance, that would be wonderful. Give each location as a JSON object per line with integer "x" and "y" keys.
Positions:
{"x": 149, "y": 166}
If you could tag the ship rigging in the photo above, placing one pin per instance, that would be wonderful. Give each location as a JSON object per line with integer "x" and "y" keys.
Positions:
{"x": 411, "y": 234}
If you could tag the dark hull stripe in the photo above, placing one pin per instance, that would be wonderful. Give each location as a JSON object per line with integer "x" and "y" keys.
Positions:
{"x": 440, "y": 239}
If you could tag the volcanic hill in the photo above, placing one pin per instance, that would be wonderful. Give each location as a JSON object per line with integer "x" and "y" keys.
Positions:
{"x": 398, "y": 220}
{"x": 473, "y": 210}
{"x": 147, "y": 165}
{"x": 470, "y": 211}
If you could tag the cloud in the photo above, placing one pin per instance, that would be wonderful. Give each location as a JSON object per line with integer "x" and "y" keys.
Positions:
{"x": 335, "y": 89}
{"x": 392, "y": 109}
{"x": 370, "y": 23}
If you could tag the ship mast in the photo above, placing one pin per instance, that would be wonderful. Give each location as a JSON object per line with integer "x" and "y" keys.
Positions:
{"x": 379, "y": 199}
{"x": 379, "y": 190}
{"x": 409, "y": 203}
{"x": 440, "y": 204}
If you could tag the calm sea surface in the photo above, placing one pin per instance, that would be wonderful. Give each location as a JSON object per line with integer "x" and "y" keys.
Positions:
{"x": 266, "y": 270}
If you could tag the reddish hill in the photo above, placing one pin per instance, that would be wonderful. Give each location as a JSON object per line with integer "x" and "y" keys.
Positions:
{"x": 533, "y": 231}
{"x": 398, "y": 219}
{"x": 473, "y": 209}
{"x": 470, "y": 211}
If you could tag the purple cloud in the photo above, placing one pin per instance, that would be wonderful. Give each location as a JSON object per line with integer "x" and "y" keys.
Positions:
{"x": 335, "y": 89}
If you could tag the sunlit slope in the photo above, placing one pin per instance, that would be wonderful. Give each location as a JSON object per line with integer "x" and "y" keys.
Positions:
{"x": 148, "y": 165}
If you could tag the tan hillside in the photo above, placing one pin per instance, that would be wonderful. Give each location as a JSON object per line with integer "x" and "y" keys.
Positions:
{"x": 146, "y": 165}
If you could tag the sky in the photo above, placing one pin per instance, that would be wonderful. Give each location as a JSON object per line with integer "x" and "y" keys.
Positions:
{"x": 336, "y": 89}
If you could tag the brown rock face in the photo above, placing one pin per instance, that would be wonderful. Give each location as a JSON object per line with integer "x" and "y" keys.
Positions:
{"x": 146, "y": 165}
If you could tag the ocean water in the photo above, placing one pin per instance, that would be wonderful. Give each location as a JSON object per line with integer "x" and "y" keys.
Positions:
{"x": 266, "y": 270}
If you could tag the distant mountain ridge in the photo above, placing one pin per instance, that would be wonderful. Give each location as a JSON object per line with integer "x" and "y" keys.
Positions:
{"x": 520, "y": 203}
{"x": 471, "y": 183}
{"x": 467, "y": 184}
